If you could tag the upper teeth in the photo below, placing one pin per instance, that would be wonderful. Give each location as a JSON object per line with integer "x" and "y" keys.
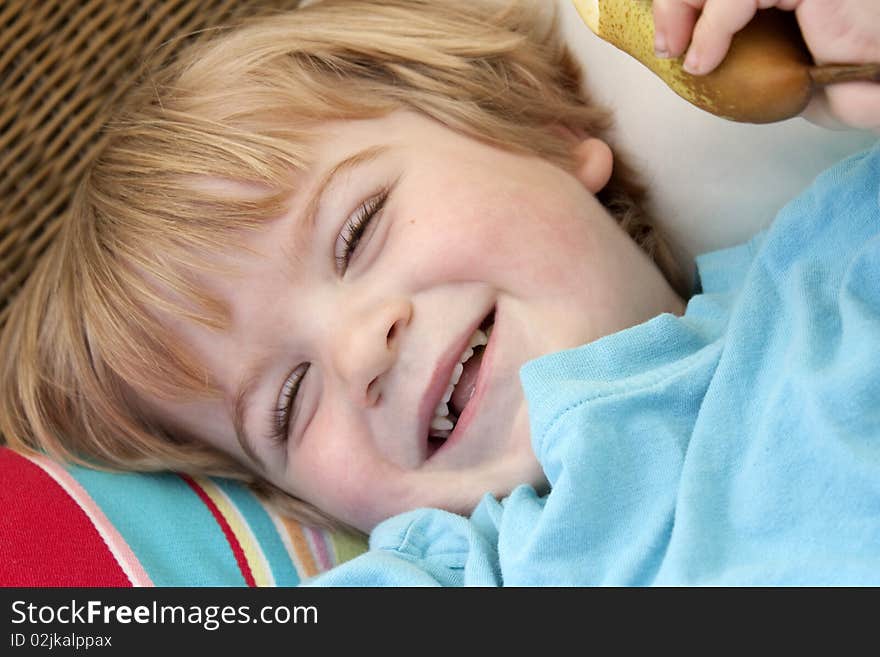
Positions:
{"x": 441, "y": 422}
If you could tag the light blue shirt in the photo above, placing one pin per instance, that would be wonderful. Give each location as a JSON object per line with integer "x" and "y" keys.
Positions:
{"x": 736, "y": 445}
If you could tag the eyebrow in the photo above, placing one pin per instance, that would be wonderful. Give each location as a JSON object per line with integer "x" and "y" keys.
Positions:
{"x": 306, "y": 224}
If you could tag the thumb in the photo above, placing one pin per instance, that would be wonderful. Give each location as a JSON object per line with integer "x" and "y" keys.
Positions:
{"x": 846, "y": 105}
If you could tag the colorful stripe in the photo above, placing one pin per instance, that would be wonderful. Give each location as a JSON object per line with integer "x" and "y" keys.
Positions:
{"x": 117, "y": 545}
{"x": 46, "y": 539}
{"x": 320, "y": 548}
{"x": 253, "y": 554}
{"x": 297, "y": 545}
{"x": 257, "y": 516}
{"x": 65, "y": 525}
{"x": 166, "y": 524}
{"x": 314, "y": 550}
{"x": 347, "y": 545}
{"x": 231, "y": 538}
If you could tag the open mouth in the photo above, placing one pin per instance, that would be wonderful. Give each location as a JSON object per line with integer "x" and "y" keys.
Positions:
{"x": 461, "y": 386}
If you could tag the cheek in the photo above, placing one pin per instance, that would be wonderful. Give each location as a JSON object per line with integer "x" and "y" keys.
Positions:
{"x": 335, "y": 469}
{"x": 537, "y": 249}
{"x": 468, "y": 222}
{"x": 479, "y": 238}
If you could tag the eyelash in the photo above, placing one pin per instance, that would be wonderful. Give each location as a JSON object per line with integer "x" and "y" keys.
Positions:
{"x": 355, "y": 228}
{"x": 351, "y": 236}
{"x": 282, "y": 413}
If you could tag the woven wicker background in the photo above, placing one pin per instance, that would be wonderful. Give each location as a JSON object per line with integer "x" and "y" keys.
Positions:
{"x": 64, "y": 64}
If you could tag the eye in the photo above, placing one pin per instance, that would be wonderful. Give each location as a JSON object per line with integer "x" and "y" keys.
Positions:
{"x": 285, "y": 408}
{"x": 355, "y": 228}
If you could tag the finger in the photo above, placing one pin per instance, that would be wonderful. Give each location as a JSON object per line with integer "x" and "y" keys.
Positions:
{"x": 856, "y": 104}
{"x": 673, "y": 25}
{"x": 787, "y": 5}
{"x": 714, "y": 30}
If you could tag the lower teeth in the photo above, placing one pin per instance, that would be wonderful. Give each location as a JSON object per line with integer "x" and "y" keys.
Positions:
{"x": 440, "y": 435}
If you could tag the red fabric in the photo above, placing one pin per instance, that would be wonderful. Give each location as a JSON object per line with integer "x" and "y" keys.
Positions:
{"x": 46, "y": 539}
{"x": 227, "y": 530}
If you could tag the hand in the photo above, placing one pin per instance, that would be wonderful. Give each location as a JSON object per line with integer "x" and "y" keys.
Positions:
{"x": 836, "y": 31}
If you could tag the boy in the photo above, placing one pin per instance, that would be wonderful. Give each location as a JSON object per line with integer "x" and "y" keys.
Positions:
{"x": 391, "y": 272}
{"x": 328, "y": 131}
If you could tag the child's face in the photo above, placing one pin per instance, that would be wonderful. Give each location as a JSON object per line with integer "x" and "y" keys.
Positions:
{"x": 465, "y": 234}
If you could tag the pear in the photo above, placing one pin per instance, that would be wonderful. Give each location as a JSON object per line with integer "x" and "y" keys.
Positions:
{"x": 768, "y": 74}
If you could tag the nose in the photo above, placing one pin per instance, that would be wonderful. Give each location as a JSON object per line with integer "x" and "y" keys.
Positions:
{"x": 367, "y": 347}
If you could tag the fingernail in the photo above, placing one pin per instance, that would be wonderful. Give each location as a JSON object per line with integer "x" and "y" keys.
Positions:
{"x": 692, "y": 63}
{"x": 660, "y": 48}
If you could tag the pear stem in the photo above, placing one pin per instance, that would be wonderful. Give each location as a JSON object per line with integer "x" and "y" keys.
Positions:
{"x": 827, "y": 74}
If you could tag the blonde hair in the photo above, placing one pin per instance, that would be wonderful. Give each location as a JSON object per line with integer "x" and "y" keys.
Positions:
{"x": 87, "y": 327}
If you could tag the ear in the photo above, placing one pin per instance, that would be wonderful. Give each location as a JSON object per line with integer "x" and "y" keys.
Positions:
{"x": 594, "y": 163}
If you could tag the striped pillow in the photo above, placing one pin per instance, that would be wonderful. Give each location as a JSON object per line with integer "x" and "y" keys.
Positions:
{"x": 71, "y": 526}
